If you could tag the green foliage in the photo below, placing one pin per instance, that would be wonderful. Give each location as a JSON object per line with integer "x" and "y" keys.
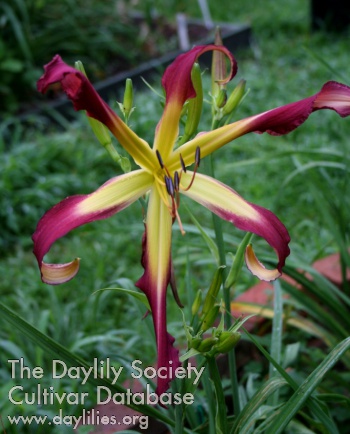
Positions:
{"x": 35, "y": 174}
{"x": 32, "y": 32}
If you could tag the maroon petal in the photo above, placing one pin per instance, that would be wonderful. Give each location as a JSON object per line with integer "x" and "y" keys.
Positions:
{"x": 84, "y": 97}
{"x": 77, "y": 87}
{"x": 230, "y": 206}
{"x": 75, "y": 211}
{"x": 179, "y": 88}
{"x": 156, "y": 261}
{"x": 334, "y": 96}
{"x": 281, "y": 120}
{"x": 177, "y": 77}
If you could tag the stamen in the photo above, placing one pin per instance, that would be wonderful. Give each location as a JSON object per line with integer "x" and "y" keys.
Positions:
{"x": 182, "y": 163}
{"x": 197, "y": 159}
{"x": 169, "y": 186}
{"x": 198, "y": 156}
{"x": 182, "y": 230}
{"x": 176, "y": 181}
{"x": 173, "y": 191}
{"x": 172, "y": 188}
{"x": 160, "y": 159}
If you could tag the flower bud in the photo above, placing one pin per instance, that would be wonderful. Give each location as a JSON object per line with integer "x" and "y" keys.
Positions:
{"x": 125, "y": 164}
{"x": 227, "y": 341}
{"x": 197, "y": 302}
{"x": 128, "y": 98}
{"x": 210, "y": 318}
{"x": 221, "y": 98}
{"x": 207, "y": 344}
{"x": 195, "y": 342}
{"x": 238, "y": 261}
{"x": 210, "y": 298}
{"x": 218, "y": 67}
{"x": 235, "y": 98}
{"x": 193, "y": 106}
{"x": 126, "y": 106}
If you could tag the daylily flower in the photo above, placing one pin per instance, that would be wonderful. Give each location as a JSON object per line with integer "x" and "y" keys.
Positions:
{"x": 162, "y": 174}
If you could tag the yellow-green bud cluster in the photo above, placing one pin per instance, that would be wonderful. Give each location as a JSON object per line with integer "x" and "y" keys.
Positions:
{"x": 226, "y": 341}
{"x": 222, "y": 104}
{"x": 220, "y": 341}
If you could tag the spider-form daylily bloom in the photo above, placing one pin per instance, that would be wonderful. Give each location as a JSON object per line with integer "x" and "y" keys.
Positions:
{"x": 163, "y": 176}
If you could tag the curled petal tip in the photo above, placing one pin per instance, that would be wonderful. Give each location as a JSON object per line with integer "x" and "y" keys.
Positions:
{"x": 257, "y": 268}
{"x": 55, "y": 274}
{"x": 334, "y": 96}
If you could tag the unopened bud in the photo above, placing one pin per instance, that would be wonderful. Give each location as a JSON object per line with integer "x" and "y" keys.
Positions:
{"x": 195, "y": 342}
{"x": 207, "y": 344}
{"x": 127, "y": 106}
{"x": 194, "y": 105}
{"x": 235, "y": 98}
{"x": 128, "y": 97}
{"x": 210, "y": 318}
{"x": 125, "y": 164}
{"x": 221, "y": 98}
{"x": 218, "y": 68}
{"x": 197, "y": 302}
{"x": 227, "y": 341}
{"x": 210, "y": 298}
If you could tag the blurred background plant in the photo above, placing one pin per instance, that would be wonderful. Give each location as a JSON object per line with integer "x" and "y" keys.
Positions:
{"x": 101, "y": 34}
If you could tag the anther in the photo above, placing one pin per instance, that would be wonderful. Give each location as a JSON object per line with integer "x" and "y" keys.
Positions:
{"x": 198, "y": 156}
{"x": 176, "y": 181}
{"x": 160, "y": 159}
{"x": 197, "y": 160}
{"x": 182, "y": 163}
{"x": 169, "y": 185}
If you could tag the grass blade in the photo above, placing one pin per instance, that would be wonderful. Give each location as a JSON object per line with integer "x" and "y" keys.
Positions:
{"x": 276, "y": 335}
{"x": 307, "y": 387}
{"x": 70, "y": 359}
{"x": 312, "y": 403}
{"x": 245, "y": 419}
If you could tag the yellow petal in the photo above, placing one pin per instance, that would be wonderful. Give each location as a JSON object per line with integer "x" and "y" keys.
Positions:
{"x": 55, "y": 274}
{"x": 257, "y": 268}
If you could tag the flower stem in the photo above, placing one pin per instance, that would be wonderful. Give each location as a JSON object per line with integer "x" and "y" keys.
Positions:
{"x": 178, "y": 410}
{"x": 210, "y": 401}
{"x": 221, "y": 413}
{"x": 226, "y": 295}
{"x": 112, "y": 152}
